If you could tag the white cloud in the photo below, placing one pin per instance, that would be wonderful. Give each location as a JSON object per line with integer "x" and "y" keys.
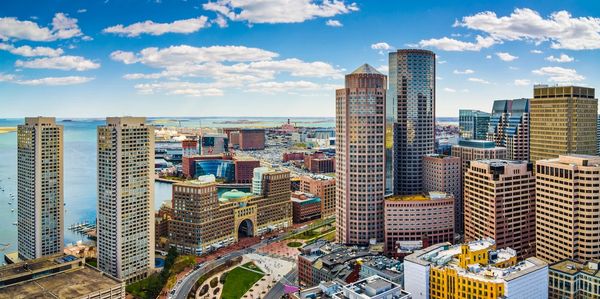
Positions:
{"x": 6, "y": 77}
{"x": 189, "y": 55}
{"x": 220, "y": 21}
{"x": 561, "y": 29}
{"x": 180, "y": 88}
{"x": 59, "y": 63}
{"x": 535, "y": 51}
{"x": 221, "y": 67}
{"x": 450, "y": 44}
{"x": 28, "y": 51}
{"x": 439, "y": 78}
{"x": 381, "y": 46}
{"x": 478, "y": 80}
{"x": 522, "y": 82}
{"x": 513, "y": 68}
{"x": 63, "y": 27}
{"x": 559, "y": 74}
{"x": 149, "y": 27}
{"x": 82, "y": 10}
{"x": 278, "y": 87}
{"x": 561, "y": 58}
{"x": 441, "y": 61}
{"x": 465, "y": 72}
{"x": 488, "y": 56}
{"x": 56, "y": 81}
{"x": 504, "y": 56}
{"x": 277, "y": 11}
{"x": 334, "y": 23}
{"x": 449, "y": 90}
{"x": 124, "y": 57}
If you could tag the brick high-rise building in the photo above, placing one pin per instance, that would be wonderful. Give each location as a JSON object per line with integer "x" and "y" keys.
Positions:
{"x": 568, "y": 208}
{"x": 563, "y": 121}
{"x": 443, "y": 174}
{"x": 40, "y": 188}
{"x": 360, "y": 161}
{"x": 126, "y": 198}
{"x": 509, "y": 127}
{"x": 499, "y": 203}
{"x": 410, "y": 119}
{"x": 323, "y": 187}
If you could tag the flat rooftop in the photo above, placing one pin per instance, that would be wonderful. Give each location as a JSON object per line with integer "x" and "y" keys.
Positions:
{"x": 70, "y": 284}
{"x": 33, "y": 266}
{"x": 419, "y": 197}
{"x": 573, "y": 267}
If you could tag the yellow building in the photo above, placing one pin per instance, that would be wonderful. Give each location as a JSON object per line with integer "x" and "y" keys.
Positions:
{"x": 563, "y": 121}
{"x": 473, "y": 270}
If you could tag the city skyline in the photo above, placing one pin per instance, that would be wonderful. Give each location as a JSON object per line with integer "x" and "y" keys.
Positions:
{"x": 67, "y": 56}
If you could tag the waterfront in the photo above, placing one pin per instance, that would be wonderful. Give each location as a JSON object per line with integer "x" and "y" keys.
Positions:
{"x": 80, "y": 168}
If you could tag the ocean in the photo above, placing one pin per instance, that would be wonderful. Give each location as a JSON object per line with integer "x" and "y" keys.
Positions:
{"x": 80, "y": 167}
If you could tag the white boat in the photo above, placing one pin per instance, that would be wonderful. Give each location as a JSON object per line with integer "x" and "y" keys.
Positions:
{"x": 14, "y": 223}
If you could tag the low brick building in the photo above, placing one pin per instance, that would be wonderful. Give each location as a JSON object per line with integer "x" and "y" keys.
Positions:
{"x": 305, "y": 207}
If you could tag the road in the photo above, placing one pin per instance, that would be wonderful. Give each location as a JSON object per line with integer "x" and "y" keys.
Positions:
{"x": 277, "y": 291}
{"x": 183, "y": 287}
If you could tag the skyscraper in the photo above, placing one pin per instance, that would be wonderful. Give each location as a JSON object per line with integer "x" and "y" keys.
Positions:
{"x": 410, "y": 118}
{"x": 40, "y": 187}
{"x": 473, "y": 124}
{"x": 126, "y": 198}
{"x": 509, "y": 127}
{"x": 563, "y": 121}
{"x": 568, "y": 208}
{"x": 360, "y": 137}
{"x": 499, "y": 203}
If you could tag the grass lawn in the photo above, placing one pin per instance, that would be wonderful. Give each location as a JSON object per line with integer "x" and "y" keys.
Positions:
{"x": 92, "y": 262}
{"x": 239, "y": 281}
{"x": 294, "y": 244}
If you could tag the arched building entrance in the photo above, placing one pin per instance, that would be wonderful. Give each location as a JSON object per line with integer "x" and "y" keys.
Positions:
{"x": 245, "y": 229}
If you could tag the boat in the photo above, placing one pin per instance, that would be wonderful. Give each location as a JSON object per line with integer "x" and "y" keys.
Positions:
{"x": 12, "y": 210}
{"x": 10, "y": 203}
{"x": 15, "y": 223}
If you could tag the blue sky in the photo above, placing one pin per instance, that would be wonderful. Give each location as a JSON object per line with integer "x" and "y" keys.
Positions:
{"x": 275, "y": 57}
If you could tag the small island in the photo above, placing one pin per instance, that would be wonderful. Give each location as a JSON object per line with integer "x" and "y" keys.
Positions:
{"x": 4, "y": 130}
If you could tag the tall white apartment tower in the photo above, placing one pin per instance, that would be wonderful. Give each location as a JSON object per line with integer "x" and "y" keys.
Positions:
{"x": 125, "y": 227}
{"x": 40, "y": 188}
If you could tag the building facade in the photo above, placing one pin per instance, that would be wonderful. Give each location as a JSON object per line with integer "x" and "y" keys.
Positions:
{"x": 125, "y": 225}
{"x": 499, "y": 202}
{"x": 189, "y": 147}
{"x": 203, "y": 222}
{"x": 469, "y": 150}
{"x": 473, "y": 124}
{"x": 360, "y": 175}
{"x": 410, "y": 119}
{"x": 213, "y": 144}
{"x": 323, "y": 187}
{"x": 251, "y": 139}
{"x": 428, "y": 218}
{"x": 509, "y": 127}
{"x": 563, "y": 121}
{"x": 574, "y": 279}
{"x": 568, "y": 208}
{"x": 443, "y": 174}
{"x": 473, "y": 270}
{"x": 305, "y": 207}
{"x": 40, "y": 188}
{"x": 244, "y": 170}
